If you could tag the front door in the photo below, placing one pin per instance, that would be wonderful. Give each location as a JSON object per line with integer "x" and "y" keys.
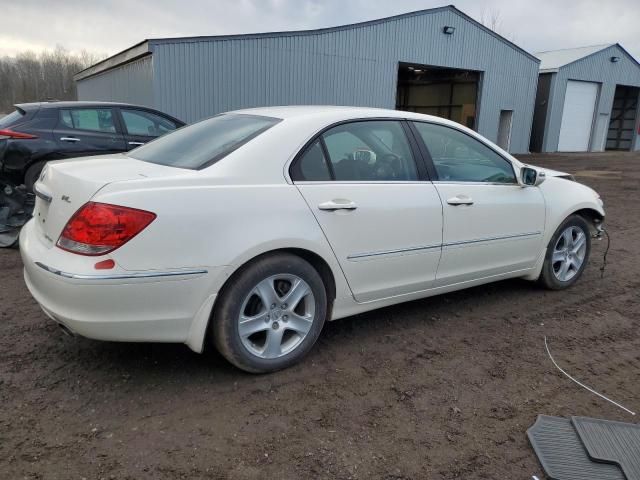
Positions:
{"x": 382, "y": 219}
{"x": 492, "y": 225}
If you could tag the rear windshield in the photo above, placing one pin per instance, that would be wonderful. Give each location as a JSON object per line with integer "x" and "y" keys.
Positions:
{"x": 10, "y": 119}
{"x": 202, "y": 144}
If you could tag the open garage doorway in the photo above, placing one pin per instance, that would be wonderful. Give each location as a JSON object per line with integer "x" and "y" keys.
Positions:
{"x": 443, "y": 92}
{"x": 622, "y": 123}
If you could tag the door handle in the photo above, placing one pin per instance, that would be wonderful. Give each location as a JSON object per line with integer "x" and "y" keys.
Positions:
{"x": 460, "y": 200}
{"x": 69, "y": 139}
{"x": 338, "y": 204}
{"x": 136, "y": 143}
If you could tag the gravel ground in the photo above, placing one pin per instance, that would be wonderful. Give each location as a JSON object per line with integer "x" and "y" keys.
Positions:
{"x": 439, "y": 388}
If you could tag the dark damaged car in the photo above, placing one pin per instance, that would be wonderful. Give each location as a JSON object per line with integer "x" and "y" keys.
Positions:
{"x": 35, "y": 133}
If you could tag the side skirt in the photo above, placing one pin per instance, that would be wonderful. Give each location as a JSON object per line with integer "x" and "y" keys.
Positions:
{"x": 346, "y": 307}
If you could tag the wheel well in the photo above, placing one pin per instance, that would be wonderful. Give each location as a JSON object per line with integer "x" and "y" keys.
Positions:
{"x": 316, "y": 261}
{"x": 321, "y": 267}
{"x": 593, "y": 217}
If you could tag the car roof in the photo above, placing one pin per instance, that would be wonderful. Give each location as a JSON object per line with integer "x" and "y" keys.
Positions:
{"x": 333, "y": 113}
{"x": 320, "y": 116}
{"x": 63, "y": 104}
{"x": 293, "y": 111}
{"x": 80, "y": 104}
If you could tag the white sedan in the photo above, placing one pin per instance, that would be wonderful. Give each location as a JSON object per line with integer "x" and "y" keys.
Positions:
{"x": 250, "y": 229}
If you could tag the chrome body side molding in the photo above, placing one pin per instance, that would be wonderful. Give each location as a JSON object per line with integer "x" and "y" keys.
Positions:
{"x": 357, "y": 256}
{"x": 120, "y": 276}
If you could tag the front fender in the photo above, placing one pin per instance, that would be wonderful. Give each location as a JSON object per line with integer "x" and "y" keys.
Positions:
{"x": 563, "y": 198}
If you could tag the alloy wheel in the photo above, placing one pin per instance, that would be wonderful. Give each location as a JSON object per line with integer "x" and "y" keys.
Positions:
{"x": 569, "y": 253}
{"x": 276, "y": 316}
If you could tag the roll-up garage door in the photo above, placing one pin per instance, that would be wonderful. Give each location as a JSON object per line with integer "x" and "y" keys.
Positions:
{"x": 577, "y": 116}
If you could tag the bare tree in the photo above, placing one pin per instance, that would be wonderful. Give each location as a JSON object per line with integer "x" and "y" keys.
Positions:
{"x": 31, "y": 77}
{"x": 492, "y": 19}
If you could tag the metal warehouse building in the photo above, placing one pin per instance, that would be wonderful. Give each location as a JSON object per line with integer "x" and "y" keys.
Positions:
{"x": 437, "y": 61}
{"x": 587, "y": 100}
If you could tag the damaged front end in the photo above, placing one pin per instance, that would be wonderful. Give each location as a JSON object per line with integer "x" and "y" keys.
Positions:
{"x": 16, "y": 207}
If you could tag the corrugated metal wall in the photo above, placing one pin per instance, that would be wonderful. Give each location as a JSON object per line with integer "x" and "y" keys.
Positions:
{"x": 130, "y": 83}
{"x": 357, "y": 65}
{"x": 595, "y": 68}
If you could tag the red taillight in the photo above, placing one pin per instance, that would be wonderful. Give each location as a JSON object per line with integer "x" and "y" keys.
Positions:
{"x": 99, "y": 228}
{"x": 11, "y": 134}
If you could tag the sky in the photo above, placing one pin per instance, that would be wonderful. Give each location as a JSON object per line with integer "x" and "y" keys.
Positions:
{"x": 109, "y": 26}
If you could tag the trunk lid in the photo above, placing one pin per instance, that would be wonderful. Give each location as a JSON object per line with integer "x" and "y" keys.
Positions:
{"x": 64, "y": 186}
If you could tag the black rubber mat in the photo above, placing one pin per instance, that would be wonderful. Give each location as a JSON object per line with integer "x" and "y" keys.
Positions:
{"x": 611, "y": 442}
{"x": 562, "y": 454}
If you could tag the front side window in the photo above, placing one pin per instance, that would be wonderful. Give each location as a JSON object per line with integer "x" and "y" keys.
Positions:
{"x": 139, "y": 122}
{"x": 359, "y": 151}
{"x": 91, "y": 119}
{"x": 458, "y": 157}
{"x": 202, "y": 144}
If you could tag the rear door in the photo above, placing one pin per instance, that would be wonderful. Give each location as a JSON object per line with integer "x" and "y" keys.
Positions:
{"x": 380, "y": 214}
{"x": 141, "y": 126}
{"x": 492, "y": 225}
{"x": 88, "y": 131}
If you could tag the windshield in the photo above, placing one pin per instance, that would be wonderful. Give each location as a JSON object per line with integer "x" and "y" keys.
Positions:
{"x": 10, "y": 119}
{"x": 202, "y": 144}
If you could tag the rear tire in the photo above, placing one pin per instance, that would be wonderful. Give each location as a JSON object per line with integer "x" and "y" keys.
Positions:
{"x": 270, "y": 314}
{"x": 32, "y": 174}
{"x": 567, "y": 254}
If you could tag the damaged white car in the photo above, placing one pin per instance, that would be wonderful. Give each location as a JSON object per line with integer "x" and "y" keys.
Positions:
{"x": 248, "y": 230}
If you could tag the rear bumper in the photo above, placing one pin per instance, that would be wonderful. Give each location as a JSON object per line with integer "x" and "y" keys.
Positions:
{"x": 149, "y": 306}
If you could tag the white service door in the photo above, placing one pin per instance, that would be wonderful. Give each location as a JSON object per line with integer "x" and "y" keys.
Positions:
{"x": 504, "y": 129}
{"x": 577, "y": 116}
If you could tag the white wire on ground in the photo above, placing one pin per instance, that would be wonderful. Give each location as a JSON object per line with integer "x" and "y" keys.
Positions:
{"x": 582, "y": 384}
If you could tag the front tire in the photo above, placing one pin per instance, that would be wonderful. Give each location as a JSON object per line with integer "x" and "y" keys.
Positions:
{"x": 270, "y": 314}
{"x": 567, "y": 254}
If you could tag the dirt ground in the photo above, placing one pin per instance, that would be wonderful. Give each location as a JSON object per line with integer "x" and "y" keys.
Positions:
{"x": 440, "y": 388}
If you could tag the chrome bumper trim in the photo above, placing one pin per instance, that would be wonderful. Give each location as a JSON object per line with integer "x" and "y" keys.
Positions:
{"x": 120, "y": 276}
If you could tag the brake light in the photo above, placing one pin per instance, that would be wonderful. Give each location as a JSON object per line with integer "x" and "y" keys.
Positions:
{"x": 7, "y": 132}
{"x": 99, "y": 228}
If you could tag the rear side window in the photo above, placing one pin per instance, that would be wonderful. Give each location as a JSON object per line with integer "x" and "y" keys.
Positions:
{"x": 139, "y": 122}
{"x": 202, "y": 144}
{"x": 11, "y": 119}
{"x": 370, "y": 151}
{"x": 312, "y": 166}
{"x": 91, "y": 119}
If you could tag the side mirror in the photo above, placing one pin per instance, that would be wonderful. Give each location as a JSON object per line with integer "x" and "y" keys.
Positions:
{"x": 531, "y": 177}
